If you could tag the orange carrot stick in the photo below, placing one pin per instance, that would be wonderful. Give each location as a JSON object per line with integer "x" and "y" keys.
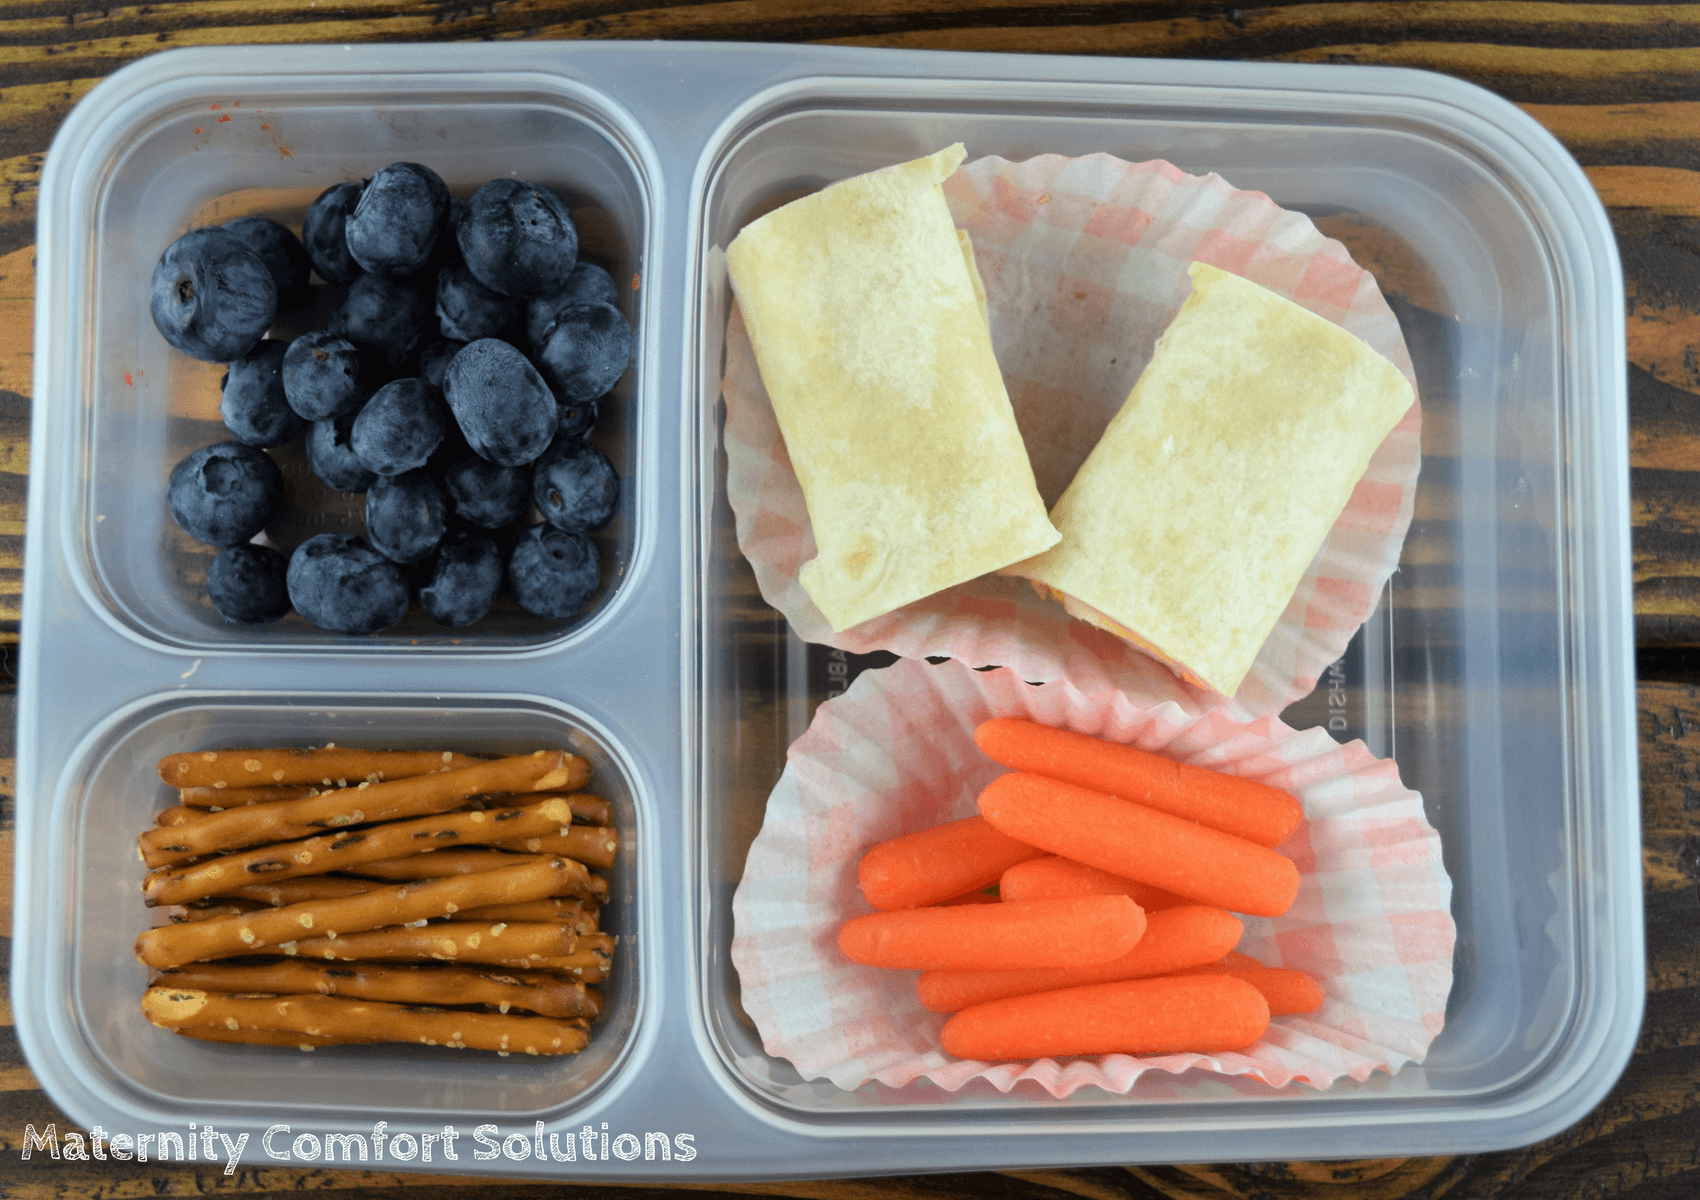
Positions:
{"x": 1175, "y": 938}
{"x": 1084, "y": 929}
{"x": 1287, "y": 991}
{"x": 1052, "y": 878}
{"x": 1243, "y": 807}
{"x": 938, "y": 863}
{"x": 1203, "y": 1014}
{"x": 1124, "y": 838}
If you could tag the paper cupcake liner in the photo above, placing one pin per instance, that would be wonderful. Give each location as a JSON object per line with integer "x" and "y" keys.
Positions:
{"x": 896, "y": 754}
{"x": 1084, "y": 262}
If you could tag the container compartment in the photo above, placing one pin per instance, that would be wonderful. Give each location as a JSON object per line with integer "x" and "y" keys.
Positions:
{"x": 206, "y": 157}
{"x": 1463, "y": 670}
{"x": 111, "y": 793}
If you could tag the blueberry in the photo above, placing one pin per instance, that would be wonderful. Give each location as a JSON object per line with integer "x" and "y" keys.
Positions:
{"x": 434, "y": 358}
{"x": 253, "y": 405}
{"x": 212, "y": 297}
{"x": 503, "y": 406}
{"x": 405, "y": 516}
{"x": 247, "y": 585}
{"x": 330, "y": 454}
{"x": 575, "y": 420}
{"x": 281, "y": 251}
{"x": 552, "y": 573}
{"x": 399, "y": 427}
{"x": 321, "y": 376}
{"x": 465, "y": 577}
{"x": 341, "y": 584}
{"x": 324, "y": 236}
{"x": 486, "y": 495}
{"x": 396, "y": 223}
{"x": 575, "y": 487}
{"x": 519, "y": 238}
{"x": 383, "y": 316}
{"x": 467, "y": 310}
{"x": 585, "y": 351}
{"x": 588, "y": 284}
{"x": 224, "y": 494}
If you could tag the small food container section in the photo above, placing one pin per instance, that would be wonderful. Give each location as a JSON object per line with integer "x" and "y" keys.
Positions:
{"x": 1496, "y": 670}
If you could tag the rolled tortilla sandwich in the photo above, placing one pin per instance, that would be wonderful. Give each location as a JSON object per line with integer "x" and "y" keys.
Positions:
{"x": 1191, "y": 523}
{"x": 868, "y": 324}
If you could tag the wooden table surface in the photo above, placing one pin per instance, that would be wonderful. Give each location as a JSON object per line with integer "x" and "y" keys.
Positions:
{"x": 1619, "y": 84}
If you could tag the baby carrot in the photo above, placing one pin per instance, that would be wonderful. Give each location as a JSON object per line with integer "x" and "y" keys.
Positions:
{"x": 1084, "y": 929}
{"x": 1052, "y": 878}
{"x": 1286, "y": 991}
{"x": 1175, "y": 938}
{"x": 938, "y": 863}
{"x": 1243, "y": 807}
{"x": 1203, "y": 1014}
{"x": 1124, "y": 838}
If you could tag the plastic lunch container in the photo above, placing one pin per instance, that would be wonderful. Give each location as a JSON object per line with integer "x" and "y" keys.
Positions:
{"x": 1498, "y": 670}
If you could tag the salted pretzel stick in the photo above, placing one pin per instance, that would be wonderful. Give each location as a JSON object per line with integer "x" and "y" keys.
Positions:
{"x": 546, "y": 995}
{"x": 324, "y": 887}
{"x": 454, "y": 941}
{"x": 334, "y": 1016}
{"x": 279, "y": 892}
{"x": 203, "y": 798}
{"x": 531, "y": 879}
{"x": 544, "y": 771}
{"x": 594, "y": 846}
{"x": 588, "y": 966}
{"x": 324, "y": 766}
{"x": 349, "y": 848}
{"x": 471, "y": 861}
{"x": 590, "y": 810}
{"x": 587, "y": 810}
{"x": 269, "y": 1037}
{"x": 577, "y": 915}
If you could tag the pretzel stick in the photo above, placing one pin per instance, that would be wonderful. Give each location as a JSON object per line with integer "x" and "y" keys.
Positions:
{"x": 546, "y": 995}
{"x": 455, "y": 941}
{"x": 333, "y": 1016}
{"x": 462, "y": 861}
{"x": 544, "y": 771}
{"x": 577, "y": 915}
{"x": 216, "y": 798}
{"x": 592, "y": 845}
{"x": 324, "y": 887}
{"x": 470, "y": 861}
{"x": 589, "y": 966}
{"x": 269, "y": 1037}
{"x": 248, "y": 768}
{"x": 279, "y": 892}
{"x": 586, "y": 810}
{"x": 349, "y": 848}
{"x": 530, "y": 879}
{"x": 590, "y": 810}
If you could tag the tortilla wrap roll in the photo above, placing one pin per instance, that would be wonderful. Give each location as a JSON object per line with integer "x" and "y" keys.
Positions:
{"x": 1192, "y": 521}
{"x": 865, "y": 315}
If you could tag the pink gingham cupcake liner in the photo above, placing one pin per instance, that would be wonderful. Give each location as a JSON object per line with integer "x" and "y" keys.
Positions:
{"x": 896, "y": 754}
{"x": 1084, "y": 262}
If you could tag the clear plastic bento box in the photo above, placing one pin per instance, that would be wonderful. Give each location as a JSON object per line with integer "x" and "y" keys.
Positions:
{"x": 1497, "y": 671}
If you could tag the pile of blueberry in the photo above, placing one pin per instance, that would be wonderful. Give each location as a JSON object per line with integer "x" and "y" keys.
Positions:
{"x": 454, "y": 386}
